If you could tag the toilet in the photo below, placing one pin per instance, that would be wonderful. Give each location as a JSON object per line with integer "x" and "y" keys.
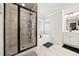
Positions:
{"x": 44, "y": 39}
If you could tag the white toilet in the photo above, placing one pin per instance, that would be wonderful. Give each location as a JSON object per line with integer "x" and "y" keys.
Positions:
{"x": 44, "y": 38}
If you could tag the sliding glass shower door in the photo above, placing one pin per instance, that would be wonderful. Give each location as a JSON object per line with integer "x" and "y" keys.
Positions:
{"x": 27, "y": 29}
{"x": 11, "y": 29}
{"x": 20, "y": 29}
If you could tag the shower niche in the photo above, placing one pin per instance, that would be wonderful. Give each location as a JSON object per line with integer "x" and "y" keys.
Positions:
{"x": 20, "y": 29}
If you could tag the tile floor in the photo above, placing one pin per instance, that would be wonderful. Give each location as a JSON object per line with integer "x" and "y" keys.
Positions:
{"x": 54, "y": 50}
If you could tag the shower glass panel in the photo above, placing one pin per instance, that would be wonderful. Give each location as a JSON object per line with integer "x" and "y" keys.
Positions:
{"x": 11, "y": 29}
{"x": 27, "y": 29}
{"x": 19, "y": 29}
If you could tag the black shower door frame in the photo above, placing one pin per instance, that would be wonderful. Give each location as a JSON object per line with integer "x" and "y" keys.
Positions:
{"x": 18, "y": 30}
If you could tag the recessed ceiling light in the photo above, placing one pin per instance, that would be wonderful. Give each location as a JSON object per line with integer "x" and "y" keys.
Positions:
{"x": 23, "y": 4}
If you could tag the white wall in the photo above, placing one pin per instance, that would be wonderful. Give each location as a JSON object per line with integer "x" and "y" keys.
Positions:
{"x": 1, "y": 29}
{"x": 55, "y": 26}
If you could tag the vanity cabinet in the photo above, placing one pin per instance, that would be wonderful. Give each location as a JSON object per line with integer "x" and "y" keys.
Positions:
{"x": 71, "y": 39}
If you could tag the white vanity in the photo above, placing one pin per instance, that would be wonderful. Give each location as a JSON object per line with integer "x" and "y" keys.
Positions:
{"x": 71, "y": 28}
{"x": 71, "y": 39}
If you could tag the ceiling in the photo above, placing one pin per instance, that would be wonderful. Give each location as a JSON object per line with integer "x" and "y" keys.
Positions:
{"x": 32, "y": 6}
{"x": 45, "y": 9}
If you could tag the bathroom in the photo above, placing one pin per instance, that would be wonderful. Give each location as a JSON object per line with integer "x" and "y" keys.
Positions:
{"x": 55, "y": 26}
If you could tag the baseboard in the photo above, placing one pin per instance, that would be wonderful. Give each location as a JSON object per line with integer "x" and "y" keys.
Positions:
{"x": 71, "y": 48}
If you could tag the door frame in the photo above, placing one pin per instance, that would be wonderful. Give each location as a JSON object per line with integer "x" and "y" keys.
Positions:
{"x": 18, "y": 25}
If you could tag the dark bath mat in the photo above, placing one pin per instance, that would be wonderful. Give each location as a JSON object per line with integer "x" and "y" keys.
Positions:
{"x": 48, "y": 44}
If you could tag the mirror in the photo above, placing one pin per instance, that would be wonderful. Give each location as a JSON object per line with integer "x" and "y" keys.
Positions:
{"x": 72, "y": 24}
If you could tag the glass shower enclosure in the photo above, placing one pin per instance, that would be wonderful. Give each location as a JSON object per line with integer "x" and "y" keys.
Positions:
{"x": 20, "y": 29}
